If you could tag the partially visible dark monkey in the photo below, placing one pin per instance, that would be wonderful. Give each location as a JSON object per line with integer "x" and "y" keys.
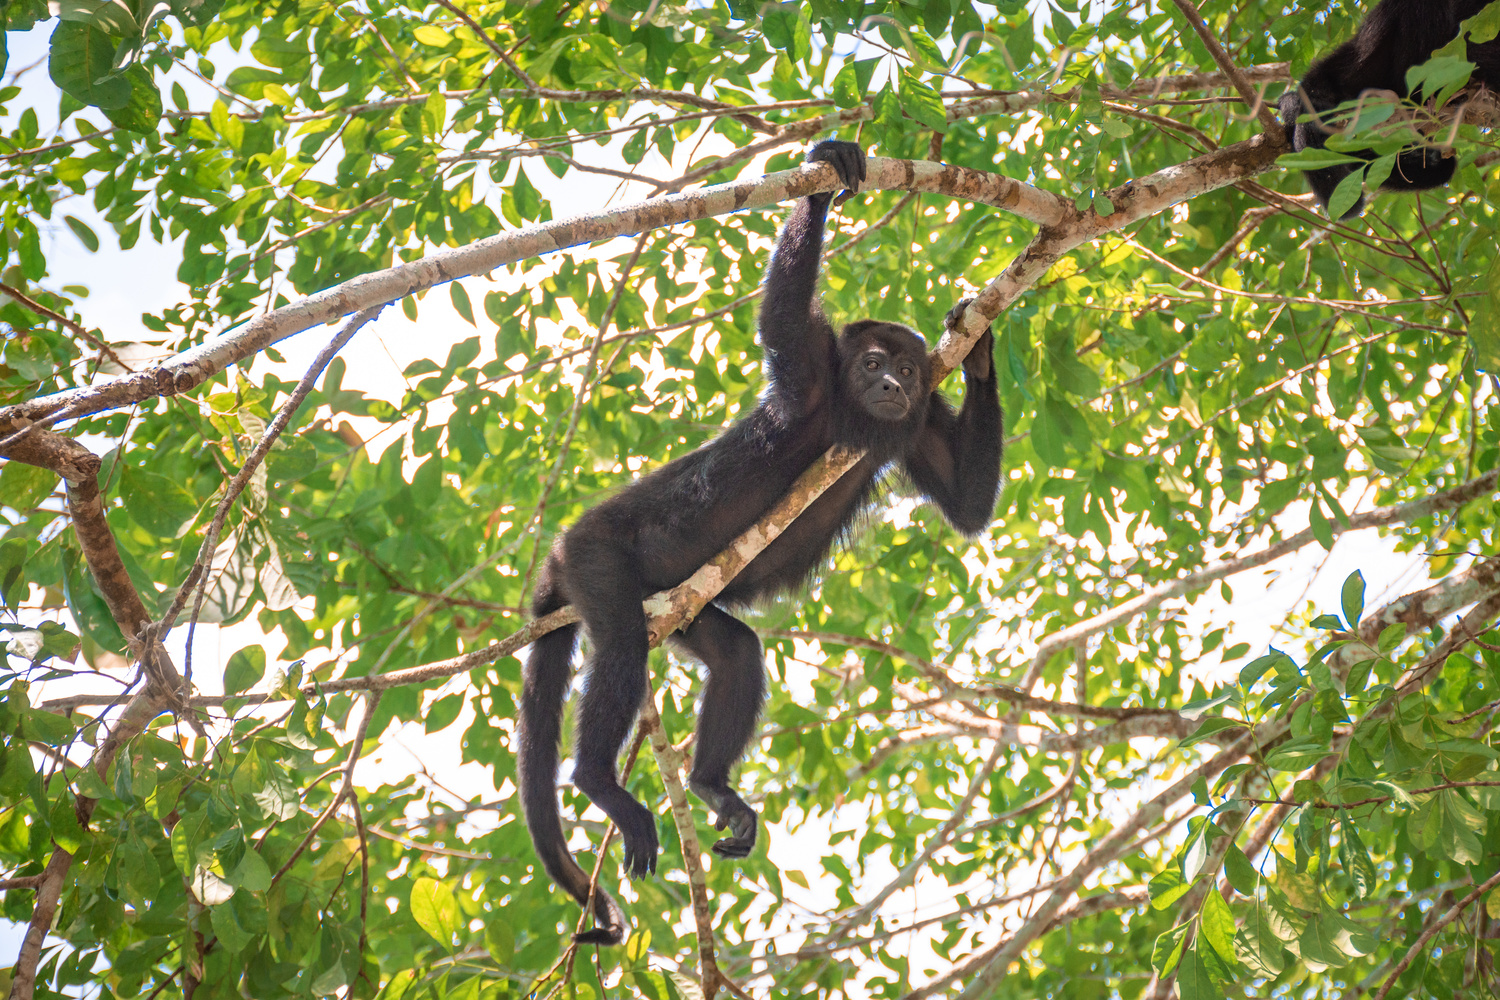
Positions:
{"x": 866, "y": 387}
{"x": 1395, "y": 36}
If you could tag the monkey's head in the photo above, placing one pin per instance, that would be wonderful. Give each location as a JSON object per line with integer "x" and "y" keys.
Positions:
{"x": 883, "y": 374}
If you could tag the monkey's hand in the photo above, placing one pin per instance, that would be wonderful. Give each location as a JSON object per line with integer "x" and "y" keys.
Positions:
{"x": 847, "y": 160}
{"x": 978, "y": 362}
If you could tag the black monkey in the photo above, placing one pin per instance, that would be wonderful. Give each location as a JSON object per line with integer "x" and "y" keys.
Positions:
{"x": 1395, "y": 36}
{"x": 865, "y": 387}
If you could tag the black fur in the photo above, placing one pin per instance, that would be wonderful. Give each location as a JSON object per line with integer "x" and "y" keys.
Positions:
{"x": 1395, "y": 36}
{"x": 865, "y": 387}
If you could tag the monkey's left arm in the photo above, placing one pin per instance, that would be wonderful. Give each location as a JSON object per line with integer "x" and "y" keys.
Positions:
{"x": 955, "y": 461}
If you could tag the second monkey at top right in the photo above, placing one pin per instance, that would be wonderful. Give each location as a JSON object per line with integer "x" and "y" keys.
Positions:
{"x": 1395, "y": 36}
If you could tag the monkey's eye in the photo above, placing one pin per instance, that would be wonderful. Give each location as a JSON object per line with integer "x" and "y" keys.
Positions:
{"x": 906, "y": 371}
{"x": 871, "y": 364}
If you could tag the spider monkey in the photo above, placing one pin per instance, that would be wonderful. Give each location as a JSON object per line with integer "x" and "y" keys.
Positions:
{"x": 1395, "y": 36}
{"x": 865, "y": 387}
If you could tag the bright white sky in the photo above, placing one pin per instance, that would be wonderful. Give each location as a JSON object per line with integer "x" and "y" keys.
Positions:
{"x": 125, "y": 284}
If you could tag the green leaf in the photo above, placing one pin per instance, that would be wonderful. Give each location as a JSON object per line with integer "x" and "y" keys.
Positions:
{"x": 1298, "y": 755}
{"x": 231, "y": 936}
{"x": 1322, "y": 528}
{"x": 244, "y": 670}
{"x": 1346, "y": 195}
{"x": 1195, "y": 853}
{"x": 1240, "y": 872}
{"x": 922, "y": 103}
{"x": 1167, "y": 951}
{"x": 1216, "y": 924}
{"x": 443, "y": 713}
{"x": 142, "y": 113}
{"x": 1314, "y": 158}
{"x": 81, "y": 63}
{"x": 1166, "y": 888}
{"x": 24, "y": 486}
{"x": 1209, "y": 728}
{"x": 1355, "y": 858}
{"x": 432, "y": 35}
{"x": 48, "y": 727}
{"x": 1353, "y": 598}
{"x": 435, "y": 910}
{"x": 846, "y": 89}
{"x": 1193, "y": 981}
{"x": 85, "y": 235}
{"x": 461, "y": 303}
{"x": 156, "y": 503}
{"x": 1258, "y": 947}
{"x": 252, "y": 872}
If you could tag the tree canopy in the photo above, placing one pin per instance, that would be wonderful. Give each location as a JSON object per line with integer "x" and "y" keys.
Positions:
{"x": 1088, "y": 754}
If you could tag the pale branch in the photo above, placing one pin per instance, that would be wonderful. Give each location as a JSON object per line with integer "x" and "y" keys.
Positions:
{"x": 242, "y": 478}
{"x": 191, "y": 368}
{"x": 1417, "y": 611}
{"x": 1135, "y": 200}
{"x": 935, "y": 843}
{"x": 669, "y": 766}
{"x": 1155, "y": 596}
{"x": 990, "y": 965}
{"x": 1453, "y": 913}
{"x": 1168, "y": 725}
{"x": 952, "y": 690}
{"x": 52, "y": 451}
{"x": 345, "y": 789}
{"x": 893, "y": 744}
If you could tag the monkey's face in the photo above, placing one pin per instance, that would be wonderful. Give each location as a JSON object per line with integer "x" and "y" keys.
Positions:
{"x": 886, "y": 382}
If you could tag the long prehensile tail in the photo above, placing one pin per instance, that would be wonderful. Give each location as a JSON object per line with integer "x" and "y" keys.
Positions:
{"x": 544, "y": 689}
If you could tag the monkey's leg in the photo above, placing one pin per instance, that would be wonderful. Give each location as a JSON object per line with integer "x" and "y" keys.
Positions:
{"x": 604, "y": 585}
{"x": 732, "y": 699}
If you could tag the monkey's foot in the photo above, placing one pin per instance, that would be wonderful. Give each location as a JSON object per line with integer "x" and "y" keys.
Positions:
{"x": 740, "y": 820}
{"x": 732, "y": 814}
{"x": 640, "y": 854}
{"x": 638, "y": 833}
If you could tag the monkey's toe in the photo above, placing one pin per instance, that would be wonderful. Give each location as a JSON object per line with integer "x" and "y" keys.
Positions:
{"x": 639, "y": 865}
{"x": 956, "y": 314}
{"x": 640, "y": 855}
{"x": 846, "y": 158}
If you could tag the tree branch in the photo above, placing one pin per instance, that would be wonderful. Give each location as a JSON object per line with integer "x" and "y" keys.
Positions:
{"x": 1155, "y": 596}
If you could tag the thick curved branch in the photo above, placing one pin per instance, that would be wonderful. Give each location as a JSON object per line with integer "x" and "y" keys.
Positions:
{"x": 196, "y": 365}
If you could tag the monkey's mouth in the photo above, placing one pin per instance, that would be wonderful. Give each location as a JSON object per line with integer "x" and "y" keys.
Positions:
{"x": 888, "y": 409}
